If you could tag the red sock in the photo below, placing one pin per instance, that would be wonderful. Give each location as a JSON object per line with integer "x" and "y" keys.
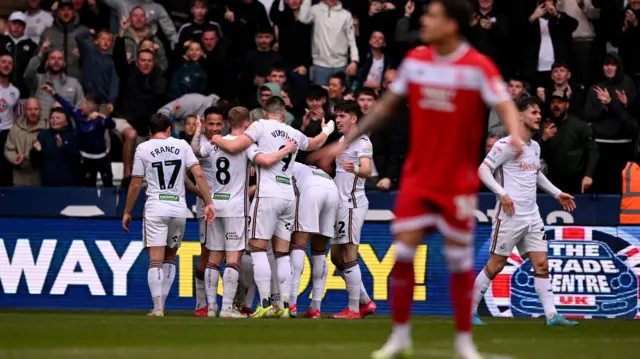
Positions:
{"x": 461, "y": 296}
{"x": 402, "y": 282}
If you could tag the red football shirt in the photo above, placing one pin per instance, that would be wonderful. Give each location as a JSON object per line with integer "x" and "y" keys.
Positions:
{"x": 448, "y": 97}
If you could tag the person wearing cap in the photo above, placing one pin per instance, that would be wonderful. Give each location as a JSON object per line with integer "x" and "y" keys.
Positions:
{"x": 611, "y": 110}
{"x": 568, "y": 147}
{"x": 560, "y": 76}
{"x": 62, "y": 36}
{"x": 21, "y": 49}
{"x": 38, "y": 20}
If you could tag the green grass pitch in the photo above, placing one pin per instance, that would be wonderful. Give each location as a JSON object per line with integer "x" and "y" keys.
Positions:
{"x": 111, "y": 335}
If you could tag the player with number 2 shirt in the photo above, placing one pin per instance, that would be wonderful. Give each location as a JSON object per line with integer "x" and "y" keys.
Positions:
{"x": 448, "y": 85}
{"x": 273, "y": 208}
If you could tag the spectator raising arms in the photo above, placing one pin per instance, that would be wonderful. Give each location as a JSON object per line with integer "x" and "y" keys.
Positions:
{"x": 92, "y": 145}
{"x": 67, "y": 86}
{"x": 99, "y": 71}
{"x": 56, "y": 152}
{"x": 62, "y": 36}
{"x": 22, "y": 136}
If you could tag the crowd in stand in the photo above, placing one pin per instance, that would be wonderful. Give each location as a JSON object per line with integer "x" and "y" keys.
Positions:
{"x": 79, "y": 79}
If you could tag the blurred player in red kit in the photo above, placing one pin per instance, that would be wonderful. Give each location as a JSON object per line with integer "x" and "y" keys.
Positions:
{"x": 448, "y": 86}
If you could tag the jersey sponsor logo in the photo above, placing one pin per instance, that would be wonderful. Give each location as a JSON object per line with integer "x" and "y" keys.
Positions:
{"x": 437, "y": 99}
{"x": 4, "y": 105}
{"x": 283, "y": 180}
{"x": 222, "y": 196}
{"x": 524, "y": 166}
{"x": 321, "y": 174}
{"x": 593, "y": 271}
{"x": 169, "y": 197}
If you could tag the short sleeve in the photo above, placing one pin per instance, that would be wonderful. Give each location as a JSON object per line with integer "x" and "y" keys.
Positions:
{"x": 492, "y": 86}
{"x": 365, "y": 149}
{"x": 302, "y": 140}
{"x": 252, "y": 152}
{"x": 499, "y": 154}
{"x": 254, "y": 132}
{"x": 400, "y": 85}
{"x": 206, "y": 149}
{"x": 138, "y": 164}
{"x": 192, "y": 160}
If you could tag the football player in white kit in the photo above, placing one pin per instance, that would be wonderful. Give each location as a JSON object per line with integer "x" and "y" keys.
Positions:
{"x": 162, "y": 161}
{"x": 273, "y": 208}
{"x": 213, "y": 124}
{"x": 517, "y": 222}
{"x": 353, "y": 166}
{"x": 317, "y": 202}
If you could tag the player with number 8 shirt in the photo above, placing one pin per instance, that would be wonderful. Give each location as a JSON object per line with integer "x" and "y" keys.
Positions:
{"x": 273, "y": 207}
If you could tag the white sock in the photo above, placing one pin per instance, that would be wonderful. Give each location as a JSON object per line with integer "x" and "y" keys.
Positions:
{"x": 285, "y": 278}
{"x": 230, "y": 285}
{"x": 262, "y": 276}
{"x": 297, "y": 264}
{"x": 480, "y": 286}
{"x": 251, "y": 295}
{"x": 543, "y": 288}
{"x": 274, "y": 283}
{"x": 319, "y": 271}
{"x": 364, "y": 296}
{"x": 155, "y": 277}
{"x": 246, "y": 272}
{"x": 169, "y": 272}
{"x": 402, "y": 333}
{"x": 211, "y": 277}
{"x": 201, "y": 292}
{"x": 353, "y": 277}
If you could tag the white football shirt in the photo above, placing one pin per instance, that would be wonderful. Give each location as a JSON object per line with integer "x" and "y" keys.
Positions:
{"x": 305, "y": 177}
{"x": 518, "y": 176}
{"x": 9, "y": 97}
{"x": 270, "y": 136}
{"x": 162, "y": 163}
{"x": 230, "y": 179}
{"x": 37, "y": 23}
{"x": 350, "y": 186}
{"x": 209, "y": 175}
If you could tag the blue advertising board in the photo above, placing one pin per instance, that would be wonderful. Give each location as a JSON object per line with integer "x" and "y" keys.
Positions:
{"x": 93, "y": 264}
{"x": 109, "y": 203}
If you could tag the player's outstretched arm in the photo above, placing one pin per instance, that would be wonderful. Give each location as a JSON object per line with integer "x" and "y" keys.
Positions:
{"x": 270, "y": 159}
{"x": 547, "y": 186}
{"x": 191, "y": 187}
{"x": 236, "y": 145}
{"x": 377, "y": 116}
{"x": 317, "y": 142}
{"x": 195, "y": 141}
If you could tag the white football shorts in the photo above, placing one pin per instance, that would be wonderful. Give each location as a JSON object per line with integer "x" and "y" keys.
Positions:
{"x": 163, "y": 231}
{"x": 527, "y": 236}
{"x": 317, "y": 211}
{"x": 270, "y": 217}
{"x": 226, "y": 234}
{"x": 349, "y": 225}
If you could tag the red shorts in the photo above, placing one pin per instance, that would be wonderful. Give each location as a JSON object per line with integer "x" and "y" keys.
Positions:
{"x": 452, "y": 215}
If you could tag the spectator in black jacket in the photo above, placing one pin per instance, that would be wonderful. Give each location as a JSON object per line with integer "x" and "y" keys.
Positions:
{"x": 258, "y": 62}
{"x": 610, "y": 109}
{"x": 142, "y": 92}
{"x": 98, "y": 70}
{"x": 376, "y": 63}
{"x": 548, "y": 38}
{"x": 221, "y": 73}
{"x": 56, "y": 152}
{"x": 489, "y": 32}
{"x": 21, "y": 48}
{"x": 193, "y": 29}
{"x": 391, "y": 145}
{"x": 311, "y": 122}
{"x": 245, "y": 17}
{"x": 629, "y": 41}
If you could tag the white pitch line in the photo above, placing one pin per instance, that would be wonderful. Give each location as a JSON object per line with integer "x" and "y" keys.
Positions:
{"x": 439, "y": 353}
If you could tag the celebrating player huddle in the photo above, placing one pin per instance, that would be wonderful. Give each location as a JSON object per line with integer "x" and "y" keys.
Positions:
{"x": 291, "y": 204}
